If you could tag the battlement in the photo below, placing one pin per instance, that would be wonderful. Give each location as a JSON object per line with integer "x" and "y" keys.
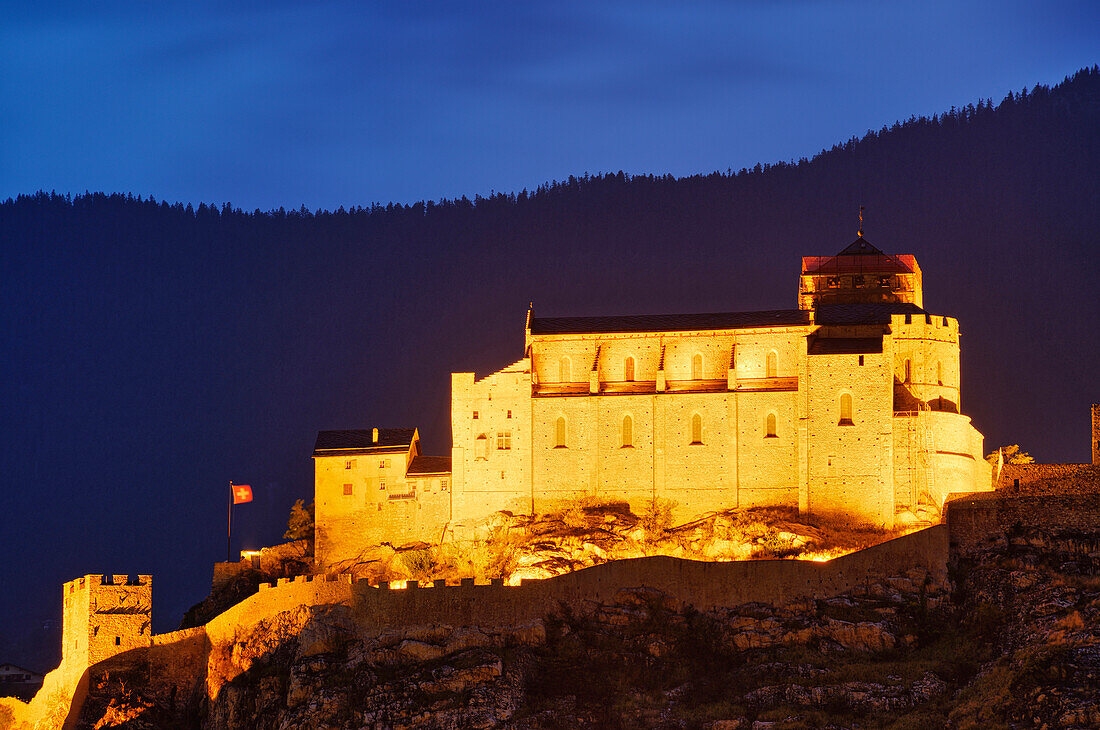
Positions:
{"x": 93, "y": 580}
{"x": 104, "y": 616}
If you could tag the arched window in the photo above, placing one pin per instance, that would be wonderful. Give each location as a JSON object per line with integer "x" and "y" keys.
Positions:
{"x": 563, "y": 370}
{"x": 628, "y": 432}
{"x": 697, "y": 367}
{"x": 769, "y": 427}
{"x": 628, "y": 369}
{"x": 907, "y": 371}
{"x": 939, "y": 372}
{"x": 559, "y": 433}
{"x": 481, "y": 448}
{"x": 845, "y": 409}
{"x": 696, "y": 428}
{"x": 773, "y": 364}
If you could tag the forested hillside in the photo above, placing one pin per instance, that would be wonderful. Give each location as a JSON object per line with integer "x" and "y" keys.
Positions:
{"x": 154, "y": 351}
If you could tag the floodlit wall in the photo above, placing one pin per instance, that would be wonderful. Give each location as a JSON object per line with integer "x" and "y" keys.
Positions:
{"x": 701, "y": 584}
{"x": 491, "y": 432}
{"x": 721, "y": 378}
{"x": 366, "y": 499}
{"x": 930, "y": 344}
{"x": 103, "y": 616}
{"x": 850, "y": 461}
{"x": 953, "y": 447}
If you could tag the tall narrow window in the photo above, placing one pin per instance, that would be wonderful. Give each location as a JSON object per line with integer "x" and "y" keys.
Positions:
{"x": 939, "y": 373}
{"x": 773, "y": 364}
{"x": 696, "y": 428}
{"x": 628, "y": 432}
{"x": 845, "y": 409}
{"x": 563, "y": 370}
{"x": 907, "y": 370}
{"x": 628, "y": 369}
{"x": 697, "y": 367}
{"x": 769, "y": 427}
{"x": 559, "y": 433}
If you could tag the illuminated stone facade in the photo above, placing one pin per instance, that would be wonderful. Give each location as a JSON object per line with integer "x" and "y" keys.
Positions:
{"x": 847, "y": 406}
{"x": 103, "y": 616}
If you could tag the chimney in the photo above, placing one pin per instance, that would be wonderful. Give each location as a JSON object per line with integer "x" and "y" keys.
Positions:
{"x": 374, "y": 436}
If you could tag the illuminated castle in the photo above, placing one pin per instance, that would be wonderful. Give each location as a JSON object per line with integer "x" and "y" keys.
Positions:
{"x": 847, "y": 406}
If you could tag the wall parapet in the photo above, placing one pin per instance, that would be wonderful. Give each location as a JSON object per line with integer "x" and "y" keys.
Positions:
{"x": 704, "y": 585}
{"x": 175, "y": 636}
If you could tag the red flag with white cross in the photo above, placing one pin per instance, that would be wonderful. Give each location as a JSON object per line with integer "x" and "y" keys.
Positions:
{"x": 241, "y": 493}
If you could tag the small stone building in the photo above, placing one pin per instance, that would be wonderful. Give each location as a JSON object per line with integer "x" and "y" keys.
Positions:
{"x": 847, "y": 406}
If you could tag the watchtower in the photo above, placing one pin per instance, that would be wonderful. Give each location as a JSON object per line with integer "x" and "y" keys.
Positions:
{"x": 103, "y": 616}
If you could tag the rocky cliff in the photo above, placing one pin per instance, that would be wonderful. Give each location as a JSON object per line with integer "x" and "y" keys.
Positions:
{"x": 1012, "y": 641}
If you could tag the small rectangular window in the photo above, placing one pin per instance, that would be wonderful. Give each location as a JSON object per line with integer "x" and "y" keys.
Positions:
{"x": 382, "y": 484}
{"x": 381, "y": 463}
{"x": 443, "y": 484}
{"x": 509, "y": 414}
{"x": 861, "y": 359}
{"x": 118, "y": 641}
{"x": 347, "y": 490}
{"x": 908, "y": 319}
{"x": 349, "y": 464}
{"x": 475, "y": 415}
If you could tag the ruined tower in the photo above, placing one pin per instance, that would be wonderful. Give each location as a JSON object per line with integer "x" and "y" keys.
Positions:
{"x": 1096, "y": 434}
{"x": 103, "y": 616}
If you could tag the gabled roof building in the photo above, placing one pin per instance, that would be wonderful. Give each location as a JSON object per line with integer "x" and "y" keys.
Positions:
{"x": 848, "y": 406}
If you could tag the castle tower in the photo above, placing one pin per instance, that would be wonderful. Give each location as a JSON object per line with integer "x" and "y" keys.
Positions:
{"x": 103, "y": 616}
{"x": 860, "y": 274}
{"x": 1096, "y": 434}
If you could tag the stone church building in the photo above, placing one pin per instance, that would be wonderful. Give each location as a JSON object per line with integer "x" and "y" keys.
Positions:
{"x": 847, "y": 406}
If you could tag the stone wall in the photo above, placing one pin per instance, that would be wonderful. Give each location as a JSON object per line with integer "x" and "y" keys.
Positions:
{"x": 1025, "y": 479}
{"x": 1096, "y": 434}
{"x": 704, "y": 585}
{"x": 103, "y": 616}
{"x": 981, "y": 521}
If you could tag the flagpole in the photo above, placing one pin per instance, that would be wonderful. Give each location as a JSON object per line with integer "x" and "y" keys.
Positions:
{"x": 229, "y": 540}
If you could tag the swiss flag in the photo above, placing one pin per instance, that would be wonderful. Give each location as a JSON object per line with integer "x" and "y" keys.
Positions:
{"x": 242, "y": 493}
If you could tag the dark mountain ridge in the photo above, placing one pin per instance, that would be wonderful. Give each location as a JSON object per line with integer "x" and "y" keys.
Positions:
{"x": 152, "y": 352}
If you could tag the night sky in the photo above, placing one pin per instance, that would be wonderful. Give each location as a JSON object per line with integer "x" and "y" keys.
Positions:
{"x": 337, "y": 104}
{"x": 340, "y": 103}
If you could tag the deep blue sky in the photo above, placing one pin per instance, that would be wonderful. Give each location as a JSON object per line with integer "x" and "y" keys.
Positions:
{"x": 345, "y": 103}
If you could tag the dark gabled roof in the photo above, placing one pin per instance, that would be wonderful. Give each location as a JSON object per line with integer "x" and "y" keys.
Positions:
{"x": 333, "y": 443}
{"x": 845, "y": 345}
{"x": 668, "y": 322}
{"x": 9, "y": 666}
{"x": 862, "y": 312}
{"x": 860, "y": 256}
{"x": 430, "y": 465}
{"x": 861, "y": 247}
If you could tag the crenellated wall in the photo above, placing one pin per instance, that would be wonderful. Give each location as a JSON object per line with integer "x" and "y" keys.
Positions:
{"x": 701, "y": 584}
